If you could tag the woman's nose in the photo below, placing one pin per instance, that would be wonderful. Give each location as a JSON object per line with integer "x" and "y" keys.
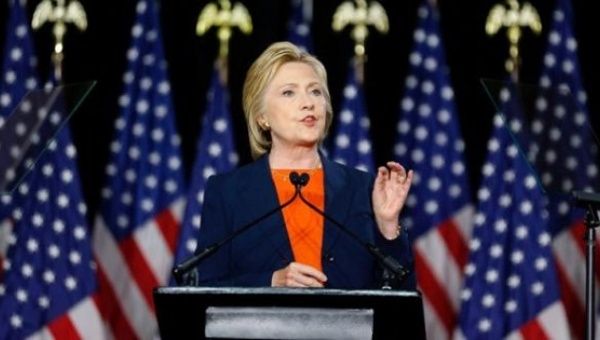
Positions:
{"x": 307, "y": 102}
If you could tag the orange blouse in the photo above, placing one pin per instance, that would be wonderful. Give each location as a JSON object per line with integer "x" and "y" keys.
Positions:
{"x": 304, "y": 226}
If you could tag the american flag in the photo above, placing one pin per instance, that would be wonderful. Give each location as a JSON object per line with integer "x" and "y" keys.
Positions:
{"x": 511, "y": 288}
{"x": 430, "y": 143}
{"x": 299, "y": 24}
{"x": 49, "y": 280}
{"x": 564, "y": 158}
{"x": 136, "y": 232}
{"x": 50, "y": 277}
{"x": 351, "y": 143}
{"x": 215, "y": 154}
{"x": 18, "y": 77}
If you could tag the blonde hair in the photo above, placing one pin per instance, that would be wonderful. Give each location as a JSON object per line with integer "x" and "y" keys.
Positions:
{"x": 258, "y": 78}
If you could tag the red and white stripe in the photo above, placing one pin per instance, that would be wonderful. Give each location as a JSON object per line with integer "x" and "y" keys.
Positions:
{"x": 130, "y": 269}
{"x": 83, "y": 321}
{"x": 569, "y": 252}
{"x": 551, "y": 323}
{"x": 440, "y": 256}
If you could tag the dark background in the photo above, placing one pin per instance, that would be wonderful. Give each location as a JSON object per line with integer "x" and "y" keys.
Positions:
{"x": 99, "y": 54}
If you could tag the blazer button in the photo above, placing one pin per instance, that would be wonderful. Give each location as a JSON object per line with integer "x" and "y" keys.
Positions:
{"x": 330, "y": 258}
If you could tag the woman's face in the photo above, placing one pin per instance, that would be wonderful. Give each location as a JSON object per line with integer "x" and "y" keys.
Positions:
{"x": 295, "y": 106}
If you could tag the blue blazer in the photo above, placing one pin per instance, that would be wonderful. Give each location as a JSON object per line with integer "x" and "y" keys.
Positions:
{"x": 234, "y": 199}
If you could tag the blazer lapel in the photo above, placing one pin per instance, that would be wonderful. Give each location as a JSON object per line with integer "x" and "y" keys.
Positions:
{"x": 337, "y": 203}
{"x": 257, "y": 197}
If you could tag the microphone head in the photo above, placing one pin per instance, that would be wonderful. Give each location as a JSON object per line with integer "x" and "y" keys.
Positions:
{"x": 299, "y": 180}
{"x": 304, "y": 178}
{"x": 294, "y": 178}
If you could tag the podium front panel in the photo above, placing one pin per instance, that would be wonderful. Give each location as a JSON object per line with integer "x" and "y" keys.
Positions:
{"x": 183, "y": 312}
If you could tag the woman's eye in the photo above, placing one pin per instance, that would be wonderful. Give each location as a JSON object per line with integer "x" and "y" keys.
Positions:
{"x": 317, "y": 92}
{"x": 288, "y": 93}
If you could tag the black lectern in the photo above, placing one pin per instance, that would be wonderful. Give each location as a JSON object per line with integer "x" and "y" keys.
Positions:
{"x": 287, "y": 313}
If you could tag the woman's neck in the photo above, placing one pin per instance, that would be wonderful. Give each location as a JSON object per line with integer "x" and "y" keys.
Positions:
{"x": 297, "y": 158}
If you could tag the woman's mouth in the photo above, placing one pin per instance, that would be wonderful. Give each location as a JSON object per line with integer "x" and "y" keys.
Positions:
{"x": 309, "y": 120}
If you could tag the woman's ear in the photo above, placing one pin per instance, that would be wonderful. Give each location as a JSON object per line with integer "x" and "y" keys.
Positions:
{"x": 263, "y": 123}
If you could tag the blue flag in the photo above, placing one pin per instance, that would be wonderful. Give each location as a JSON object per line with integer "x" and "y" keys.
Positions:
{"x": 440, "y": 209}
{"x": 136, "y": 233}
{"x": 299, "y": 32}
{"x": 215, "y": 154}
{"x": 18, "y": 66}
{"x": 351, "y": 143}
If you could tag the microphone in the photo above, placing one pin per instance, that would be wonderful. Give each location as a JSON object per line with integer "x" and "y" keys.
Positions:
{"x": 392, "y": 269}
{"x": 299, "y": 180}
{"x": 192, "y": 262}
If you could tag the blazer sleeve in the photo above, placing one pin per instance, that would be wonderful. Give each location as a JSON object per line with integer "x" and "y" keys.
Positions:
{"x": 216, "y": 225}
{"x": 400, "y": 249}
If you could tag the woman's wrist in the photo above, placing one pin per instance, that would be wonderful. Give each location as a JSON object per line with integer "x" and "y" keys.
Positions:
{"x": 395, "y": 234}
{"x": 390, "y": 230}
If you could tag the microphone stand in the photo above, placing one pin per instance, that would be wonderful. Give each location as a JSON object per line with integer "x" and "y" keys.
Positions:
{"x": 591, "y": 202}
{"x": 192, "y": 262}
{"x": 392, "y": 270}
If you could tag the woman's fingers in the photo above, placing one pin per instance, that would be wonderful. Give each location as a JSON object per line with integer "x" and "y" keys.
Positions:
{"x": 392, "y": 172}
{"x": 308, "y": 275}
{"x": 397, "y": 172}
{"x": 299, "y": 275}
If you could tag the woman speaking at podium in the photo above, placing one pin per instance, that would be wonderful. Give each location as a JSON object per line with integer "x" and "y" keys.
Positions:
{"x": 288, "y": 112}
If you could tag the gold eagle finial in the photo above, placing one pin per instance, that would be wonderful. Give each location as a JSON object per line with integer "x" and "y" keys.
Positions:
{"x": 225, "y": 17}
{"x": 513, "y": 17}
{"x": 360, "y": 16}
{"x": 60, "y": 15}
